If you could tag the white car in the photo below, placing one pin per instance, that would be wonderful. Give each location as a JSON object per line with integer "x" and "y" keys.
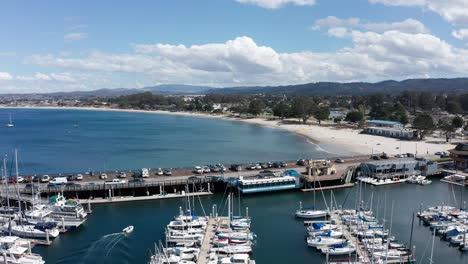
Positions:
{"x": 122, "y": 174}
{"x": 339, "y": 160}
{"x": 159, "y": 171}
{"x": 206, "y": 169}
{"x": 79, "y": 177}
{"x": 45, "y": 178}
{"x": 198, "y": 170}
{"x": 103, "y": 176}
{"x": 20, "y": 179}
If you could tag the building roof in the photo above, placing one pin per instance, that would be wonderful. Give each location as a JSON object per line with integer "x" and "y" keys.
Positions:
{"x": 462, "y": 147}
{"x": 384, "y": 122}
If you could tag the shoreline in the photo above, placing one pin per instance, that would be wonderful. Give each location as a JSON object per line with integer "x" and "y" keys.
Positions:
{"x": 338, "y": 139}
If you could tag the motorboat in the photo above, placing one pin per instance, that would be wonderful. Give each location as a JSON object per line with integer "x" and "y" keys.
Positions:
{"x": 128, "y": 229}
{"x": 324, "y": 241}
{"x": 31, "y": 231}
{"x": 342, "y": 250}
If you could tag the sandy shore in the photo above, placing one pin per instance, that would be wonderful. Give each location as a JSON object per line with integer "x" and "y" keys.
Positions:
{"x": 349, "y": 140}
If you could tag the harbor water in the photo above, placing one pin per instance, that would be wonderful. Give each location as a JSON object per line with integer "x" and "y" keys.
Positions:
{"x": 280, "y": 237}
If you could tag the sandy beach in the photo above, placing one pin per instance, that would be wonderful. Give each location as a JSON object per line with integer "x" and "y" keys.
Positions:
{"x": 341, "y": 138}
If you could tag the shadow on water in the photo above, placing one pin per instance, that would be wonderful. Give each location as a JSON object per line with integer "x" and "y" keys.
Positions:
{"x": 101, "y": 250}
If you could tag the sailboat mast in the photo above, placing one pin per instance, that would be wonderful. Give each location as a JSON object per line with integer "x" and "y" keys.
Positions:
{"x": 6, "y": 180}
{"x": 17, "y": 176}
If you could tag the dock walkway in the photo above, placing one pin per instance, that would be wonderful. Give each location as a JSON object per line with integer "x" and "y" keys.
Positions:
{"x": 203, "y": 258}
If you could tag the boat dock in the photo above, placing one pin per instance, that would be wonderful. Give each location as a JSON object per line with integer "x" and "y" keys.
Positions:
{"x": 346, "y": 185}
{"x": 362, "y": 255}
{"x": 203, "y": 258}
{"x": 144, "y": 198}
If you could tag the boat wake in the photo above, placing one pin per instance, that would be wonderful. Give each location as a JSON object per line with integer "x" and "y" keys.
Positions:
{"x": 101, "y": 251}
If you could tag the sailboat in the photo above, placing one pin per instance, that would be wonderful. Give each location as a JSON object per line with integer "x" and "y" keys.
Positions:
{"x": 10, "y": 123}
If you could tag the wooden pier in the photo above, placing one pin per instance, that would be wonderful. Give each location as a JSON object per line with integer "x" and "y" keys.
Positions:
{"x": 203, "y": 257}
{"x": 144, "y": 198}
{"x": 346, "y": 185}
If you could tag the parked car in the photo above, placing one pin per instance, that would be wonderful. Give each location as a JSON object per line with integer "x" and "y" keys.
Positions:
{"x": 70, "y": 177}
{"x": 339, "y": 160}
{"x": 59, "y": 180}
{"x": 398, "y": 156}
{"x": 215, "y": 168}
{"x": 375, "y": 157}
{"x": 206, "y": 169}
{"x": 167, "y": 172}
{"x": 438, "y": 153}
{"x": 159, "y": 171}
{"x": 277, "y": 165}
{"x": 12, "y": 180}
{"x": 301, "y": 162}
{"x": 283, "y": 164}
{"x": 53, "y": 185}
{"x": 221, "y": 167}
{"x": 45, "y": 178}
{"x": 122, "y": 174}
{"x": 384, "y": 156}
{"x": 270, "y": 164}
{"x": 3, "y": 180}
{"x": 236, "y": 167}
{"x": 263, "y": 165}
{"x": 28, "y": 179}
{"x": 410, "y": 155}
{"x": 198, "y": 170}
{"x": 144, "y": 173}
{"x": 79, "y": 177}
{"x": 250, "y": 167}
{"x": 103, "y": 176}
{"x": 258, "y": 166}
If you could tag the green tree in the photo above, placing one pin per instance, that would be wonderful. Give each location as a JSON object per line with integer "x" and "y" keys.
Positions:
{"x": 256, "y": 107}
{"x": 321, "y": 113}
{"x": 303, "y": 108}
{"x": 457, "y": 122}
{"x": 281, "y": 110}
{"x": 354, "y": 116}
{"x": 448, "y": 129}
{"x": 424, "y": 124}
{"x": 454, "y": 107}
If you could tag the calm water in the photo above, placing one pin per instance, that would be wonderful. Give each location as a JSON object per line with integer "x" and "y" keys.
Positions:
{"x": 280, "y": 236}
{"x": 48, "y": 141}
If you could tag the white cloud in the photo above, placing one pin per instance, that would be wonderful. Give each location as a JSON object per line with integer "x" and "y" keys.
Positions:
{"x": 408, "y": 26}
{"x": 5, "y": 76}
{"x": 38, "y": 76}
{"x": 275, "y": 4}
{"x": 460, "y": 34}
{"x": 372, "y": 56}
{"x": 75, "y": 36}
{"x": 454, "y": 11}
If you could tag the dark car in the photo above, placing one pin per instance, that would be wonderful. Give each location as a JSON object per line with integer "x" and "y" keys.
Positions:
{"x": 410, "y": 155}
{"x": 236, "y": 167}
{"x": 277, "y": 165}
{"x": 283, "y": 164}
{"x": 70, "y": 177}
{"x": 12, "y": 180}
{"x": 375, "y": 157}
{"x": 215, "y": 168}
{"x": 53, "y": 185}
{"x": 301, "y": 162}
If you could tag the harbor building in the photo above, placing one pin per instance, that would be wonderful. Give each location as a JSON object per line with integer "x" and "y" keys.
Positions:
{"x": 388, "y": 129}
{"x": 459, "y": 155}
{"x": 384, "y": 123}
{"x": 397, "y": 170}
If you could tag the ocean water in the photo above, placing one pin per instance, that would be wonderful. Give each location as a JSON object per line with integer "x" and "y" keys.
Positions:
{"x": 49, "y": 142}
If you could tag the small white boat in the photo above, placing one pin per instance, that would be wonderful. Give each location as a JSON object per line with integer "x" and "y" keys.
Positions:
{"x": 10, "y": 124}
{"x": 128, "y": 229}
{"x": 339, "y": 250}
{"x": 323, "y": 241}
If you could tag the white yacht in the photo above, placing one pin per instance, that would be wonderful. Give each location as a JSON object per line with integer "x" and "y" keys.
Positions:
{"x": 32, "y": 232}
{"x": 17, "y": 251}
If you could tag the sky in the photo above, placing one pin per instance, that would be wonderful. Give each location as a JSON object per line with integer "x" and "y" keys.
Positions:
{"x": 48, "y": 46}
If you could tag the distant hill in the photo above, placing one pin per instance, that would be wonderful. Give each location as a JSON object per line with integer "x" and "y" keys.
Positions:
{"x": 455, "y": 85}
{"x": 177, "y": 89}
{"x": 333, "y": 88}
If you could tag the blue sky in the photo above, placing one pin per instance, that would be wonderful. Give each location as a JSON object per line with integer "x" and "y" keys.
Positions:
{"x": 83, "y": 45}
